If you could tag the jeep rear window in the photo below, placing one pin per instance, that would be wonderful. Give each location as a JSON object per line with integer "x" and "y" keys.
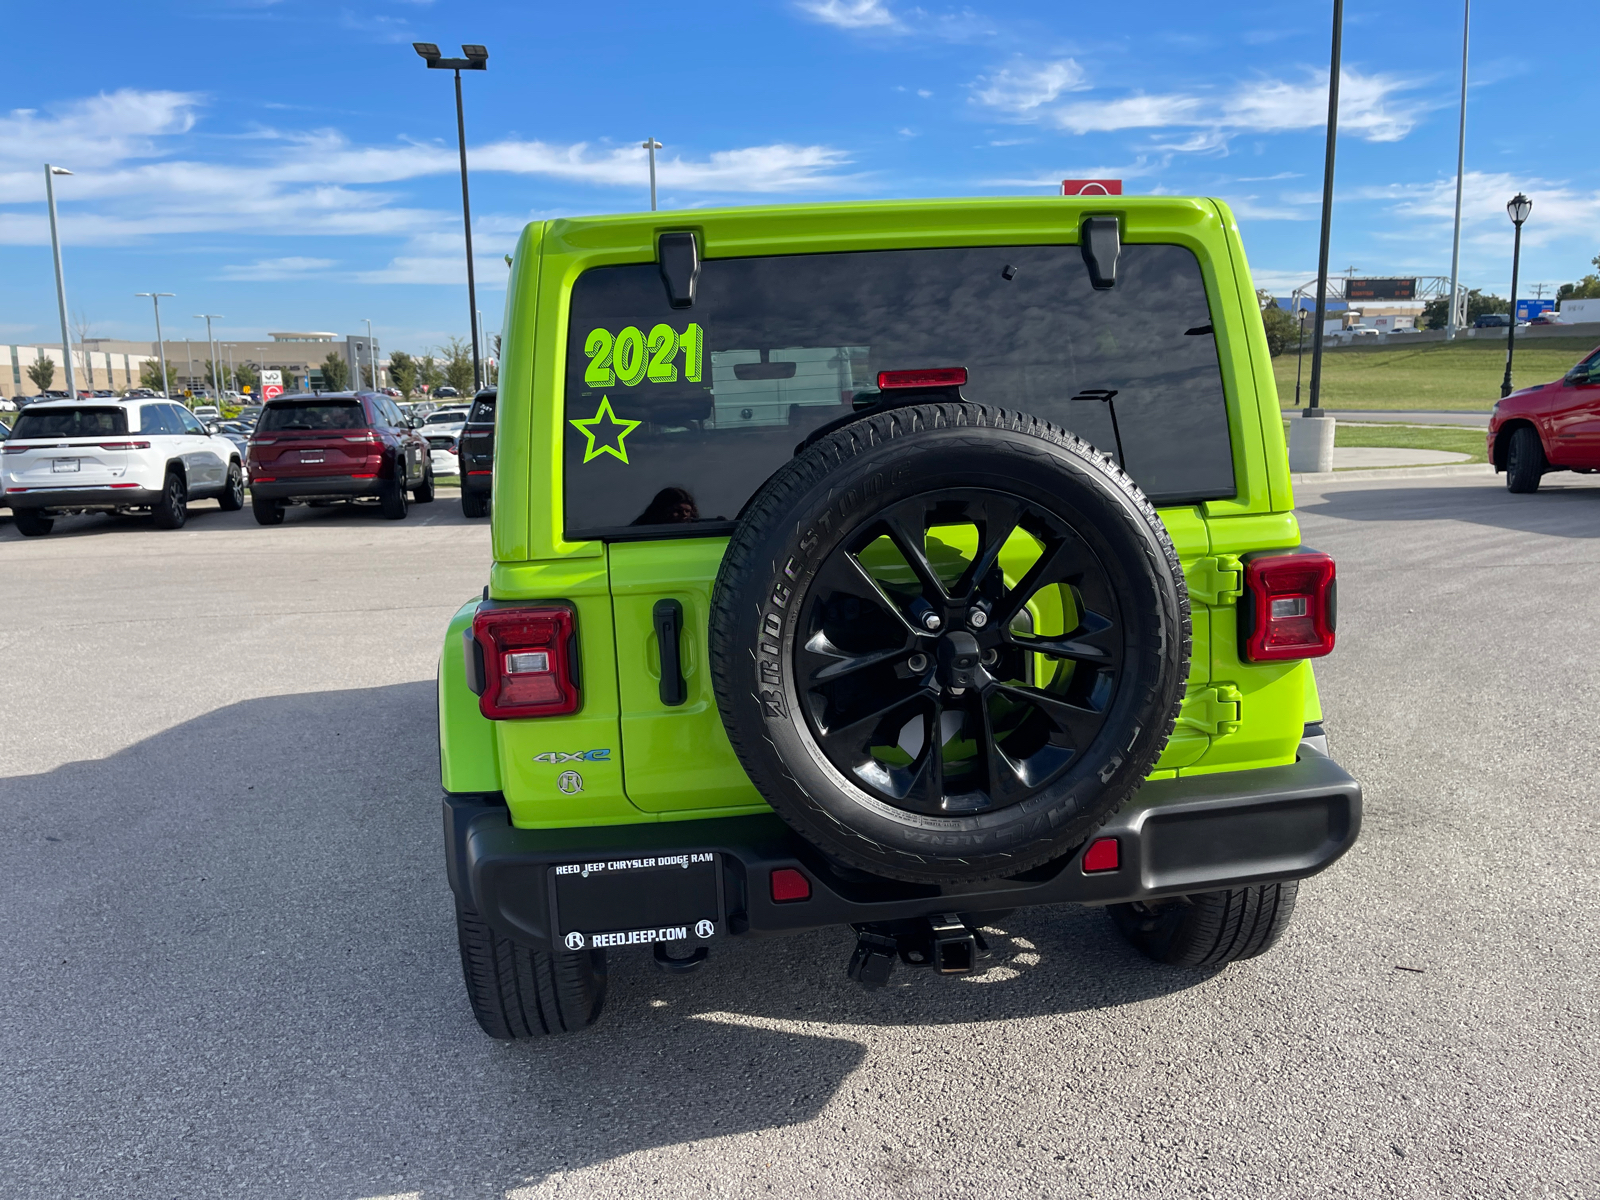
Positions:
{"x": 70, "y": 422}
{"x": 315, "y": 414}
{"x": 675, "y": 417}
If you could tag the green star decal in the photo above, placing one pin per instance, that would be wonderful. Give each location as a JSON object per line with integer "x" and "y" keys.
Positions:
{"x": 605, "y": 431}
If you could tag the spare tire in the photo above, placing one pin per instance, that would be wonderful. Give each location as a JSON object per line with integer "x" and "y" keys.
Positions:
{"x": 948, "y": 641}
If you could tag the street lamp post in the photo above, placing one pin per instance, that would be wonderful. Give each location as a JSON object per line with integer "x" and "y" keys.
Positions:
{"x": 211, "y": 346}
{"x": 1300, "y": 340}
{"x": 652, "y": 146}
{"x": 372, "y": 357}
{"x": 477, "y": 59}
{"x": 61, "y": 286}
{"x": 161, "y": 347}
{"x": 1455, "y": 316}
{"x": 1313, "y": 409}
{"x": 1517, "y": 208}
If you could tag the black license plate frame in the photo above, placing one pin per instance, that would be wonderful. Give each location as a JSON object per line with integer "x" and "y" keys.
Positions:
{"x": 614, "y": 902}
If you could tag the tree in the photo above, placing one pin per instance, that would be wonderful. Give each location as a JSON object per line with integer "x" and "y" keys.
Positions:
{"x": 1435, "y": 313}
{"x": 458, "y": 364}
{"x": 403, "y": 372}
{"x": 428, "y": 373}
{"x": 491, "y": 370}
{"x": 43, "y": 373}
{"x": 1283, "y": 331}
{"x": 1587, "y": 288}
{"x": 335, "y": 373}
{"x": 150, "y": 376}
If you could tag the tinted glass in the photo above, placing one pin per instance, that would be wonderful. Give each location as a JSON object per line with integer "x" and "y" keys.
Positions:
{"x": 315, "y": 414}
{"x": 153, "y": 418}
{"x": 70, "y": 422}
{"x": 189, "y": 423}
{"x": 677, "y": 416}
{"x": 482, "y": 412}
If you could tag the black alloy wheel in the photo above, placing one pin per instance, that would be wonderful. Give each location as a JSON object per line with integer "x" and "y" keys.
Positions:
{"x": 232, "y": 497}
{"x": 171, "y": 511}
{"x": 928, "y": 688}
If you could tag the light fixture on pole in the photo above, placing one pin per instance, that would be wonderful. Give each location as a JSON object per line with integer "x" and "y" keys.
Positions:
{"x": 372, "y": 356}
{"x": 161, "y": 347}
{"x": 477, "y": 59}
{"x": 211, "y": 344}
{"x": 652, "y": 146}
{"x": 1457, "y": 317}
{"x": 61, "y": 285}
{"x": 1518, "y": 209}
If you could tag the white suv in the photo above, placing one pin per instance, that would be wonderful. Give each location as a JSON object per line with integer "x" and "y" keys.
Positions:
{"x": 70, "y": 456}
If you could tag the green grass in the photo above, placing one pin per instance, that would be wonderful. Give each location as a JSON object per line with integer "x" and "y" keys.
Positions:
{"x": 1411, "y": 437}
{"x": 1435, "y": 375}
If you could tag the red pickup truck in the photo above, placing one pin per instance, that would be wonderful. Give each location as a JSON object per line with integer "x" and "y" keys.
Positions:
{"x": 1552, "y": 427}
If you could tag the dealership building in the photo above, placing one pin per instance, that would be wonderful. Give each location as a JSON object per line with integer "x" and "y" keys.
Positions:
{"x": 107, "y": 363}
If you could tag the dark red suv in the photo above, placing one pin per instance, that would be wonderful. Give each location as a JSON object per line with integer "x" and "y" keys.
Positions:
{"x": 1552, "y": 427}
{"x": 336, "y": 446}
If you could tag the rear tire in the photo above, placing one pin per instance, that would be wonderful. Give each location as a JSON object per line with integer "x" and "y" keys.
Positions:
{"x": 1525, "y": 460}
{"x": 518, "y": 992}
{"x": 474, "y": 504}
{"x": 393, "y": 500}
{"x": 268, "y": 512}
{"x": 232, "y": 498}
{"x": 423, "y": 492}
{"x": 31, "y": 522}
{"x": 172, "y": 510}
{"x": 1211, "y": 929}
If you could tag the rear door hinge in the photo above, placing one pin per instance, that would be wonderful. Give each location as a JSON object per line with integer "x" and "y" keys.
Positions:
{"x": 1215, "y": 710}
{"x": 1218, "y": 579}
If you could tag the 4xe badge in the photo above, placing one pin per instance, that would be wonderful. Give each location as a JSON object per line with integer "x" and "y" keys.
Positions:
{"x": 555, "y": 756}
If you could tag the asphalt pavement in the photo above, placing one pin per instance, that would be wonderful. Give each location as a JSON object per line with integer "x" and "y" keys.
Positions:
{"x": 228, "y": 964}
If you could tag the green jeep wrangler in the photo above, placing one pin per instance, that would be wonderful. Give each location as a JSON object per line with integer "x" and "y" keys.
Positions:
{"x": 895, "y": 565}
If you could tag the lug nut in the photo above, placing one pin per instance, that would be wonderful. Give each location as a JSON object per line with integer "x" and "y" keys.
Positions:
{"x": 988, "y": 657}
{"x": 931, "y": 621}
{"x": 977, "y": 618}
{"x": 918, "y": 663}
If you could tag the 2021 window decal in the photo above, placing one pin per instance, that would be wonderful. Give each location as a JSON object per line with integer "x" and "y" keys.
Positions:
{"x": 630, "y": 358}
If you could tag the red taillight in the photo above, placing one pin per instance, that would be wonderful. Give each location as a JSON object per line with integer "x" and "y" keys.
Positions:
{"x": 1102, "y": 855}
{"x": 788, "y": 884}
{"x": 925, "y": 377}
{"x": 529, "y": 661}
{"x": 367, "y": 438}
{"x": 1289, "y": 609}
{"x": 265, "y": 479}
{"x": 124, "y": 445}
{"x": 124, "y": 485}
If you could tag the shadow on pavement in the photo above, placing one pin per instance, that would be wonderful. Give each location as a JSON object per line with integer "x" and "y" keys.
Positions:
{"x": 230, "y": 969}
{"x": 1548, "y": 511}
{"x": 206, "y": 517}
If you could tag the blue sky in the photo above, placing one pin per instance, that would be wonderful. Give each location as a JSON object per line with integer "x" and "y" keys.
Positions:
{"x": 292, "y": 164}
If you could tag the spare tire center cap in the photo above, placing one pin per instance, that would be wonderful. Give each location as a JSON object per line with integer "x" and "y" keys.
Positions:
{"x": 960, "y": 666}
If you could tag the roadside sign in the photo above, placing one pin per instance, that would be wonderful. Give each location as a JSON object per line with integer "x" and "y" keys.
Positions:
{"x": 1527, "y": 310}
{"x": 1091, "y": 187}
{"x": 1380, "y": 289}
{"x": 274, "y": 377}
{"x": 271, "y": 391}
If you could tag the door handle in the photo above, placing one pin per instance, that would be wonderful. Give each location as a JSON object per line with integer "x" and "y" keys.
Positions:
{"x": 668, "y": 618}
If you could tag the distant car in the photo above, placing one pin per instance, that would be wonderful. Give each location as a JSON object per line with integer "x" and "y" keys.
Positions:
{"x": 1549, "y": 318}
{"x": 1361, "y": 332}
{"x": 1492, "y": 321}
{"x": 444, "y": 392}
{"x": 1551, "y": 427}
{"x": 237, "y": 433}
{"x": 207, "y": 410}
{"x": 476, "y": 449}
{"x": 454, "y": 415}
{"x": 443, "y": 449}
{"x": 336, "y": 446}
{"x": 114, "y": 456}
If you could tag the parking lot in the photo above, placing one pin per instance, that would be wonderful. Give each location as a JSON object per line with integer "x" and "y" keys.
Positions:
{"x": 229, "y": 963}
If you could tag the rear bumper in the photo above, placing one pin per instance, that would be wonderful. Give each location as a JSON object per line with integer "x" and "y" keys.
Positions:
{"x": 477, "y": 481}
{"x": 1178, "y": 836}
{"x": 315, "y": 487}
{"x": 83, "y": 497}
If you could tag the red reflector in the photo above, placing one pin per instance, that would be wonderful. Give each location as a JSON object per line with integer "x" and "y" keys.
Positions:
{"x": 1102, "y": 855}
{"x": 789, "y": 884}
{"x": 265, "y": 479}
{"x": 528, "y": 656}
{"x": 117, "y": 485}
{"x": 480, "y": 472}
{"x": 372, "y": 476}
{"x": 925, "y": 377}
{"x": 1289, "y": 606}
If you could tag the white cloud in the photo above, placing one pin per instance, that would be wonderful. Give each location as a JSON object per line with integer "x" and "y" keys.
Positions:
{"x": 96, "y": 131}
{"x": 1559, "y": 209}
{"x": 1023, "y": 86}
{"x": 1370, "y": 106}
{"x": 853, "y": 14}
{"x": 293, "y": 267}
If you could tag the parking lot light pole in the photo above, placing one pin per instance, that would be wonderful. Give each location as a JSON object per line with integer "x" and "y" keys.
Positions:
{"x": 161, "y": 347}
{"x": 652, "y": 146}
{"x": 1453, "y": 321}
{"x": 372, "y": 358}
{"x": 211, "y": 345}
{"x": 1314, "y": 409}
{"x": 477, "y": 59}
{"x": 1518, "y": 209}
{"x": 61, "y": 286}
